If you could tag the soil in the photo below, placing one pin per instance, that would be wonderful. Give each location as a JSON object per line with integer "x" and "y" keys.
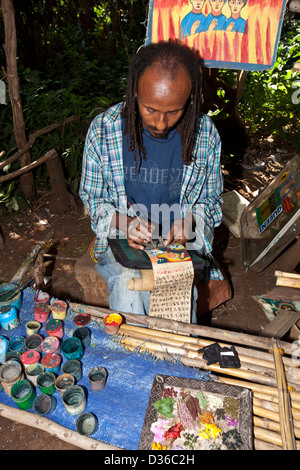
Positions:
{"x": 73, "y": 235}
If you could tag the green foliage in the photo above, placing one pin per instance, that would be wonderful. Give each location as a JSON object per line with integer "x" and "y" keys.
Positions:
{"x": 268, "y": 104}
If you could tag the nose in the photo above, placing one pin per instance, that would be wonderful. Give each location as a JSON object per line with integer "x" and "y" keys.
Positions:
{"x": 161, "y": 122}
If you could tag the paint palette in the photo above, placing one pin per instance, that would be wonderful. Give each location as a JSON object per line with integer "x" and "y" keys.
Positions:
{"x": 190, "y": 414}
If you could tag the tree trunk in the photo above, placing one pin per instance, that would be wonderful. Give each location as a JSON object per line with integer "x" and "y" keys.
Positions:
{"x": 10, "y": 47}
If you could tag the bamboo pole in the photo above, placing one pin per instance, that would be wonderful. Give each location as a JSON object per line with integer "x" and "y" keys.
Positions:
{"x": 54, "y": 429}
{"x": 227, "y": 336}
{"x": 250, "y": 359}
{"x": 286, "y": 426}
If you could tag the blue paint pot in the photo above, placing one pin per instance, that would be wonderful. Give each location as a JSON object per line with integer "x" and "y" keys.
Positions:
{"x": 17, "y": 344}
{"x": 7, "y": 299}
{"x": 8, "y": 317}
{"x": 72, "y": 348}
{"x": 84, "y": 334}
{"x": 3, "y": 349}
{"x": 44, "y": 404}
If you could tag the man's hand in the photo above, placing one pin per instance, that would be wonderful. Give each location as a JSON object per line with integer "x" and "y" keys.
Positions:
{"x": 139, "y": 234}
{"x": 181, "y": 231}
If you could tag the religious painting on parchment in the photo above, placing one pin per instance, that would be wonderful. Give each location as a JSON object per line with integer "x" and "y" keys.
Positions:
{"x": 234, "y": 34}
{"x": 190, "y": 414}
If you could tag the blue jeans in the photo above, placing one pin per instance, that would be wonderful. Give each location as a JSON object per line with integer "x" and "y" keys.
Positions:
{"x": 121, "y": 298}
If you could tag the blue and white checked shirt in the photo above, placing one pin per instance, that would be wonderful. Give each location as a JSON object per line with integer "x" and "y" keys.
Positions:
{"x": 102, "y": 188}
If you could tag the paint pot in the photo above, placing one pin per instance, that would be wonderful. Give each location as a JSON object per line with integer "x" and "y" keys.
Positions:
{"x": 46, "y": 382}
{"x": 112, "y": 323}
{"x": 33, "y": 342}
{"x": 3, "y": 349}
{"x": 84, "y": 334}
{"x": 44, "y": 404}
{"x": 86, "y": 424}
{"x": 6, "y": 297}
{"x": 74, "y": 400}
{"x": 72, "y": 348}
{"x": 29, "y": 358}
{"x": 10, "y": 372}
{"x": 59, "y": 309}
{"x": 13, "y": 355}
{"x": 50, "y": 344}
{"x": 63, "y": 382}
{"x": 8, "y": 317}
{"x": 41, "y": 298}
{"x": 74, "y": 368}
{"x": 97, "y": 378}
{"x": 54, "y": 328}
{"x": 33, "y": 371}
{"x": 23, "y": 394}
{"x": 17, "y": 343}
{"x": 41, "y": 312}
{"x": 52, "y": 363}
{"x": 32, "y": 327}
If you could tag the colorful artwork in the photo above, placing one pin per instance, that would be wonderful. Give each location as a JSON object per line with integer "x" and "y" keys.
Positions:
{"x": 169, "y": 254}
{"x": 235, "y": 34}
{"x": 189, "y": 414}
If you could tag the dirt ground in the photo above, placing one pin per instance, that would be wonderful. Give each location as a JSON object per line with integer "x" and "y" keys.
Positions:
{"x": 72, "y": 231}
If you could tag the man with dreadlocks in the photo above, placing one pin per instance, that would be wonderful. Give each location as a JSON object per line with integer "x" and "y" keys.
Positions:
{"x": 159, "y": 153}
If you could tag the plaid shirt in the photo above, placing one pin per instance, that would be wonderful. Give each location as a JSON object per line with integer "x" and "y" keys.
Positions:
{"x": 102, "y": 188}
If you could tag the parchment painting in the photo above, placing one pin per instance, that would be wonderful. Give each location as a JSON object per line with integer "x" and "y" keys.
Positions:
{"x": 236, "y": 34}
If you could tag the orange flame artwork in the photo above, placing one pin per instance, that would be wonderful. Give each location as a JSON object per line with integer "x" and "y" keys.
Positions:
{"x": 235, "y": 34}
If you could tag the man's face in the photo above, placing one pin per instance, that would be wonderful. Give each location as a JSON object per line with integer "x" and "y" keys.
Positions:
{"x": 197, "y": 4}
{"x": 216, "y": 5}
{"x": 161, "y": 100}
{"x": 236, "y": 6}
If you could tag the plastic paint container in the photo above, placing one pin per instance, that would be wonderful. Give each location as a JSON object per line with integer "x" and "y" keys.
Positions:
{"x": 8, "y": 317}
{"x": 97, "y": 378}
{"x": 84, "y": 334}
{"x": 86, "y": 424}
{"x": 33, "y": 371}
{"x": 54, "y": 328}
{"x": 112, "y": 323}
{"x": 23, "y": 394}
{"x": 17, "y": 343}
{"x": 44, "y": 404}
{"x": 7, "y": 299}
{"x": 74, "y": 368}
{"x": 32, "y": 327}
{"x": 72, "y": 348}
{"x": 33, "y": 342}
{"x": 10, "y": 373}
{"x": 41, "y": 312}
{"x": 51, "y": 362}
{"x": 50, "y": 344}
{"x": 13, "y": 355}
{"x": 29, "y": 358}
{"x": 74, "y": 400}
{"x": 41, "y": 298}
{"x": 3, "y": 349}
{"x": 59, "y": 309}
{"x": 63, "y": 382}
{"x": 46, "y": 382}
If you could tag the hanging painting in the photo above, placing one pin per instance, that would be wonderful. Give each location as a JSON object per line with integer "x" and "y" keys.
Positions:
{"x": 234, "y": 34}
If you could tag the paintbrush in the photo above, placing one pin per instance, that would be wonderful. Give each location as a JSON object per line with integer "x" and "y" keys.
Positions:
{"x": 141, "y": 222}
{"x": 14, "y": 291}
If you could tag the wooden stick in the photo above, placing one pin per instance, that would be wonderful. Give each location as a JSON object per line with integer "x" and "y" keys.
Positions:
{"x": 288, "y": 282}
{"x": 289, "y": 275}
{"x": 287, "y": 435}
{"x": 227, "y": 336}
{"x": 54, "y": 429}
{"x": 191, "y": 350}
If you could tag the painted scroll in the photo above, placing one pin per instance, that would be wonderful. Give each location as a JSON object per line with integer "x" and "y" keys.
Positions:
{"x": 173, "y": 280}
{"x": 234, "y": 34}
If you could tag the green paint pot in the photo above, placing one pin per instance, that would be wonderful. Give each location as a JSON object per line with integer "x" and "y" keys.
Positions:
{"x": 46, "y": 382}
{"x": 23, "y": 394}
{"x": 86, "y": 424}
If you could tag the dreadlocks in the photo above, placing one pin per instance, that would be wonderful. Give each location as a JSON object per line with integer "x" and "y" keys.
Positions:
{"x": 170, "y": 56}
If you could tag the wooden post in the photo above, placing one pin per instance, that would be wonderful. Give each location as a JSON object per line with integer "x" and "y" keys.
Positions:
{"x": 10, "y": 47}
